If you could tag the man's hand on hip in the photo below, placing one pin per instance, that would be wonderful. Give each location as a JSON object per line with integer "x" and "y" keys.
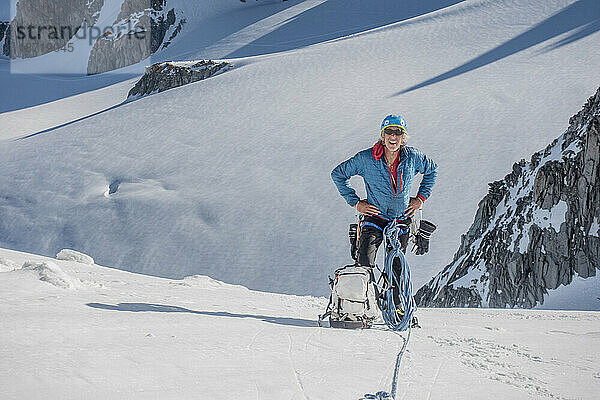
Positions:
{"x": 365, "y": 208}
{"x": 414, "y": 204}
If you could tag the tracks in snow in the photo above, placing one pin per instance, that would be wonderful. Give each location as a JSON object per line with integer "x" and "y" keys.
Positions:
{"x": 292, "y": 365}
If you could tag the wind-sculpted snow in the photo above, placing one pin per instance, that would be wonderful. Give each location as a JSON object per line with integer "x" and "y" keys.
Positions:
{"x": 206, "y": 282}
{"x": 44, "y": 271}
{"x": 8, "y": 265}
{"x": 533, "y": 232}
{"x": 50, "y": 273}
{"x": 72, "y": 255}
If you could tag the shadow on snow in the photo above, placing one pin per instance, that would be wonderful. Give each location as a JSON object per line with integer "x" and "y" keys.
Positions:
{"x": 149, "y": 307}
{"x": 334, "y": 19}
{"x": 581, "y": 17}
{"x": 308, "y": 24}
{"x": 24, "y": 90}
{"x": 72, "y": 122}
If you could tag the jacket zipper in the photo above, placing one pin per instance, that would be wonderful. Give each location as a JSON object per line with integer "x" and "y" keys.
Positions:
{"x": 399, "y": 185}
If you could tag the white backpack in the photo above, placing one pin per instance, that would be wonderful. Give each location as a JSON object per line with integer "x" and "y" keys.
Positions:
{"x": 352, "y": 303}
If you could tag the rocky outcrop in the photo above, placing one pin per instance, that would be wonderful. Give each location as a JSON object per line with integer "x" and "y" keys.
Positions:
{"x": 167, "y": 75}
{"x": 42, "y": 26}
{"x": 3, "y": 30}
{"x": 534, "y": 230}
{"x": 139, "y": 30}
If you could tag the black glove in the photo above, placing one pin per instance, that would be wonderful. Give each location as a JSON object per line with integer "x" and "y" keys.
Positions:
{"x": 426, "y": 228}
{"x": 352, "y": 235}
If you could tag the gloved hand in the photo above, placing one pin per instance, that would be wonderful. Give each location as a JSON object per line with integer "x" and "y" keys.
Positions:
{"x": 426, "y": 228}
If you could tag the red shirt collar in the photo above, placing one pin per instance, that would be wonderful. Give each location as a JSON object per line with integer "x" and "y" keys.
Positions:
{"x": 378, "y": 152}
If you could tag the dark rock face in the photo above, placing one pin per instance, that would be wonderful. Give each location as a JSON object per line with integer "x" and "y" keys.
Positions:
{"x": 42, "y": 26}
{"x": 3, "y": 27}
{"x": 142, "y": 28}
{"x": 139, "y": 31}
{"x": 534, "y": 230}
{"x": 167, "y": 75}
{"x": 170, "y": 21}
{"x": 4, "y": 33}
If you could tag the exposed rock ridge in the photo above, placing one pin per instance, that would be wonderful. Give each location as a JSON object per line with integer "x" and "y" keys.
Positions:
{"x": 167, "y": 75}
{"x": 3, "y": 29}
{"x": 139, "y": 31}
{"x": 141, "y": 28}
{"x": 534, "y": 230}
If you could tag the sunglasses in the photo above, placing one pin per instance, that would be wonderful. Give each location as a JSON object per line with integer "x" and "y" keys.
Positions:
{"x": 397, "y": 132}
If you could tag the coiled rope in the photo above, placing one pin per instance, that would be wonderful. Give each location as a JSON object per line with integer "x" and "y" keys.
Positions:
{"x": 394, "y": 320}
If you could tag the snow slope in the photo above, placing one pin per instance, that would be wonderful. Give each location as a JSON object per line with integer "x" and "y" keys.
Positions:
{"x": 21, "y": 122}
{"x": 229, "y": 177}
{"x": 57, "y": 75}
{"x": 114, "y": 334}
{"x": 580, "y": 294}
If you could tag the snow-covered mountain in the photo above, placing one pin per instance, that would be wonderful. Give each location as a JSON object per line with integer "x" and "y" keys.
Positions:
{"x": 117, "y": 48}
{"x": 73, "y": 330}
{"x": 229, "y": 176}
{"x": 536, "y": 230}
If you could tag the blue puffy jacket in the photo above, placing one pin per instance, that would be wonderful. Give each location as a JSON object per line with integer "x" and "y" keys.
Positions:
{"x": 376, "y": 176}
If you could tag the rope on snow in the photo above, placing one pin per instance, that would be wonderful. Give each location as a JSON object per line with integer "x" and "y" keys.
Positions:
{"x": 397, "y": 367}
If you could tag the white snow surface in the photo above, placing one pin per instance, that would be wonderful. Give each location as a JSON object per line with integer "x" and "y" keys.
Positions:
{"x": 229, "y": 177}
{"x": 48, "y": 272}
{"x": 122, "y": 335}
{"x": 72, "y": 255}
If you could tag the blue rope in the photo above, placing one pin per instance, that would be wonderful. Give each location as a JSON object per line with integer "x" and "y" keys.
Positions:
{"x": 392, "y": 232}
{"x": 397, "y": 367}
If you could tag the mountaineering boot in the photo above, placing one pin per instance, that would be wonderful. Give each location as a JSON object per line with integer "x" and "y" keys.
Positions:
{"x": 414, "y": 323}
